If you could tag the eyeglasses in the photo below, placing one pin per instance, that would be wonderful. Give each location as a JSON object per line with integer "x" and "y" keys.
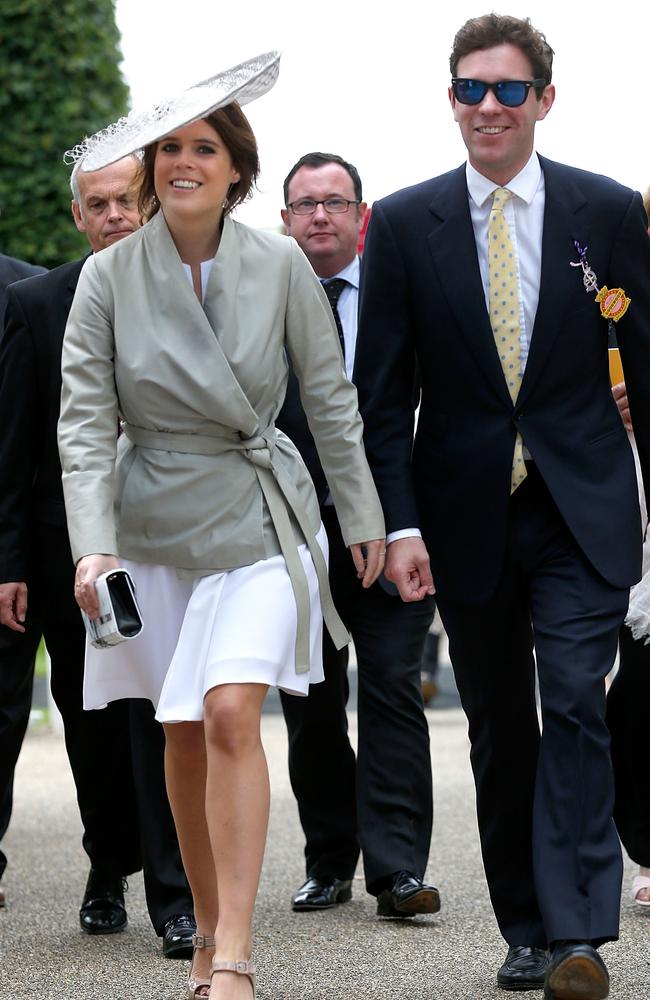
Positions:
{"x": 510, "y": 93}
{"x": 333, "y": 206}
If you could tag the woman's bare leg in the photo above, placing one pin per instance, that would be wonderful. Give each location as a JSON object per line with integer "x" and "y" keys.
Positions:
{"x": 185, "y": 771}
{"x": 237, "y": 810}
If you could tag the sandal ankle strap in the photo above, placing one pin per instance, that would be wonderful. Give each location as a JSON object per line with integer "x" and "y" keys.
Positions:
{"x": 202, "y": 940}
{"x": 245, "y": 968}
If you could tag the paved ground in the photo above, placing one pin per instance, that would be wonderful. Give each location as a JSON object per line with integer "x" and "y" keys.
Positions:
{"x": 346, "y": 953}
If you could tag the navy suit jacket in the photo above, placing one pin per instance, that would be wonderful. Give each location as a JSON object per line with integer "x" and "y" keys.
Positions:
{"x": 422, "y": 301}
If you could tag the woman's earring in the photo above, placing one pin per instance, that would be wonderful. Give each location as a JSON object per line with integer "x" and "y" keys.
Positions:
{"x": 225, "y": 200}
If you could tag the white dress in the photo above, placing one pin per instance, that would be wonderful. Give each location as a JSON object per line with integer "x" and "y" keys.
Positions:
{"x": 232, "y": 627}
{"x": 228, "y": 628}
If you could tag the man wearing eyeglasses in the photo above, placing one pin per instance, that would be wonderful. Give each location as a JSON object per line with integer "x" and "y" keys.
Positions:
{"x": 520, "y": 481}
{"x": 384, "y": 800}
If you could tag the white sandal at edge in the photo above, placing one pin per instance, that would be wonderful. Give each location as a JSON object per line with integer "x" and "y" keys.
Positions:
{"x": 242, "y": 967}
{"x": 640, "y": 882}
{"x": 193, "y": 985}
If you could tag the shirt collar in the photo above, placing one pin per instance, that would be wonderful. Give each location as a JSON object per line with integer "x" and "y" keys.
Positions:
{"x": 524, "y": 185}
{"x": 350, "y": 272}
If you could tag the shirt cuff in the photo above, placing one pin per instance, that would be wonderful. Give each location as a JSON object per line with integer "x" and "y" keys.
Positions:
{"x": 393, "y": 536}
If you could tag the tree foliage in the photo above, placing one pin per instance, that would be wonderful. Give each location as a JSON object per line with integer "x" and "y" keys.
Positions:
{"x": 59, "y": 67}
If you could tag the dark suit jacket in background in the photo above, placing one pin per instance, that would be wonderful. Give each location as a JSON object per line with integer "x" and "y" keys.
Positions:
{"x": 16, "y": 698}
{"x": 12, "y": 270}
{"x": 30, "y": 471}
{"x": 116, "y": 754}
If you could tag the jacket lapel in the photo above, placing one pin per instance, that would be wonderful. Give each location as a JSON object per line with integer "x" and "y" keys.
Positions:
{"x": 564, "y": 221}
{"x": 220, "y": 303}
{"x": 453, "y": 249}
{"x": 178, "y": 300}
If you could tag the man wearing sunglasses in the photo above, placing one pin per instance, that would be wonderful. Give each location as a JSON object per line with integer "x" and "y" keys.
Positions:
{"x": 520, "y": 481}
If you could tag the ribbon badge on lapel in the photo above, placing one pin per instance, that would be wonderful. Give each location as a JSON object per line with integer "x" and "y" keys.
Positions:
{"x": 613, "y": 301}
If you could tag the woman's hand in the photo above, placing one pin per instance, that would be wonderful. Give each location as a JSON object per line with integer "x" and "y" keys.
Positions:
{"x": 619, "y": 392}
{"x": 368, "y": 558}
{"x": 88, "y": 569}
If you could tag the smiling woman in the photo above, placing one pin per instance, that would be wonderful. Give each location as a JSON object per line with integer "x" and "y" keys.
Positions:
{"x": 196, "y": 174}
{"x": 182, "y": 331}
{"x": 224, "y": 134}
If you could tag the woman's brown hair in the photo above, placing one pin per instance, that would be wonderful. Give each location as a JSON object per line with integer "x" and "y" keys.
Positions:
{"x": 237, "y": 135}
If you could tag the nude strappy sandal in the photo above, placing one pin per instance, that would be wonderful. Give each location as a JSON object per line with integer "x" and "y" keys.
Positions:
{"x": 640, "y": 882}
{"x": 243, "y": 968}
{"x": 193, "y": 985}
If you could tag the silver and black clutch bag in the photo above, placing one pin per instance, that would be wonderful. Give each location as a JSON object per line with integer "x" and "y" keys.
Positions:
{"x": 119, "y": 615}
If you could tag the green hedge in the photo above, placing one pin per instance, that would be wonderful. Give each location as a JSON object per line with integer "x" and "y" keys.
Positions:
{"x": 59, "y": 81}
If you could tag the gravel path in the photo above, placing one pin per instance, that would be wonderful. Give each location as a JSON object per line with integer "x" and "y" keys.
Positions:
{"x": 345, "y": 953}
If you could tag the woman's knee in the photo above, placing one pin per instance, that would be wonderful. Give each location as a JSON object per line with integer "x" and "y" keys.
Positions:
{"x": 232, "y": 719}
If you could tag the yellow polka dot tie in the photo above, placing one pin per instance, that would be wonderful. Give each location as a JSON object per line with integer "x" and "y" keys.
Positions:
{"x": 504, "y": 312}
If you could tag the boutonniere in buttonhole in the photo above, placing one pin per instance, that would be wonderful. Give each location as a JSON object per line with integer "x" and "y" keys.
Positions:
{"x": 613, "y": 301}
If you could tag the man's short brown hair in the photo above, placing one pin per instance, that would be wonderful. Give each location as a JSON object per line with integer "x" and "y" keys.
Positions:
{"x": 489, "y": 30}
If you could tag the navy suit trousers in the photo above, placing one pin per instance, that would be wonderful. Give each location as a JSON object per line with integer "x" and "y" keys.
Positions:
{"x": 545, "y": 802}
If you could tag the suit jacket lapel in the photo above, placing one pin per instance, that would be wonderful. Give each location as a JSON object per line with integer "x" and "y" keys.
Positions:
{"x": 453, "y": 248}
{"x": 564, "y": 221}
{"x": 177, "y": 298}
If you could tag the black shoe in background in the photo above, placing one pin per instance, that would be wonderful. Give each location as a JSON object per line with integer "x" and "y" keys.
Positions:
{"x": 177, "y": 936}
{"x": 407, "y": 895}
{"x": 102, "y": 909}
{"x": 321, "y": 894}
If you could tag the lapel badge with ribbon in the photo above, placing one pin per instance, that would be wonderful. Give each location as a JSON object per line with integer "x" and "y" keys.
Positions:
{"x": 613, "y": 301}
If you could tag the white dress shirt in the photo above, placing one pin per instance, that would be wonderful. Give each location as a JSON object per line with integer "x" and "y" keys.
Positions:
{"x": 525, "y": 215}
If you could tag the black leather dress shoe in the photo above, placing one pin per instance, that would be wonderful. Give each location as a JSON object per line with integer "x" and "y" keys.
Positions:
{"x": 177, "y": 936}
{"x": 322, "y": 894}
{"x": 102, "y": 909}
{"x": 407, "y": 896}
{"x": 523, "y": 969}
{"x": 576, "y": 972}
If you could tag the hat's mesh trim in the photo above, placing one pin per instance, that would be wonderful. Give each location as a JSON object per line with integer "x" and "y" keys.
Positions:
{"x": 244, "y": 82}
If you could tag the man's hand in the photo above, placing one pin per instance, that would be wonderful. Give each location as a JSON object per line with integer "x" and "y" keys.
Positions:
{"x": 370, "y": 565}
{"x": 13, "y": 605}
{"x": 407, "y": 566}
{"x": 88, "y": 569}
{"x": 619, "y": 392}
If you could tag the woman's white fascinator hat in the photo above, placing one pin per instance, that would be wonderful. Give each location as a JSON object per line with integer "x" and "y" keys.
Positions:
{"x": 243, "y": 83}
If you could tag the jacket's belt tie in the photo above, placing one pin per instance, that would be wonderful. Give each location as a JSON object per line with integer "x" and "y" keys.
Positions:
{"x": 279, "y": 492}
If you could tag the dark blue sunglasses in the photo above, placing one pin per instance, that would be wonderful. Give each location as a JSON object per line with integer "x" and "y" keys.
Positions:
{"x": 510, "y": 93}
